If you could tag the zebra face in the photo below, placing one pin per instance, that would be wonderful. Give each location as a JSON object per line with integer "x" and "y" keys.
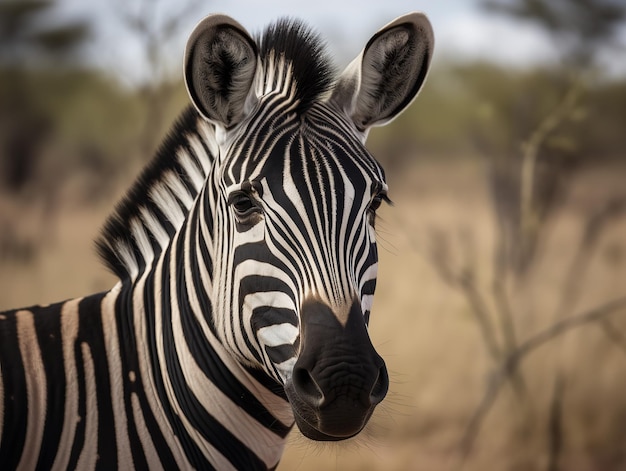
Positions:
{"x": 296, "y": 195}
{"x": 305, "y": 262}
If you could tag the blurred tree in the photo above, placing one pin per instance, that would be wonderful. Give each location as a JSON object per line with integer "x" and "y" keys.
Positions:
{"x": 531, "y": 126}
{"x": 579, "y": 26}
{"x": 28, "y": 42}
{"x": 155, "y": 24}
{"x": 529, "y": 181}
{"x": 23, "y": 34}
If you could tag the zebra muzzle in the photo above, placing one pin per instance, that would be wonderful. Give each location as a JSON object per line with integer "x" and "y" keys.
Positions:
{"x": 339, "y": 378}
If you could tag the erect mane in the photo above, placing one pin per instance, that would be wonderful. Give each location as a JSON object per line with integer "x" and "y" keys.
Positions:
{"x": 156, "y": 205}
{"x": 303, "y": 52}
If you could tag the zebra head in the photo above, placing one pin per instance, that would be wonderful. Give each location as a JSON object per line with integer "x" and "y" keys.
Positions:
{"x": 294, "y": 193}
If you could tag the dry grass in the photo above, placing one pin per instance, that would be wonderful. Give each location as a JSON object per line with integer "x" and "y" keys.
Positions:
{"x": 425, "y": 331}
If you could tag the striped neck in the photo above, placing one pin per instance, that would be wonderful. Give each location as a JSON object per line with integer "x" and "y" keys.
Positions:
{"x": 211, "y": 408}
{"x": 162, "y": 249}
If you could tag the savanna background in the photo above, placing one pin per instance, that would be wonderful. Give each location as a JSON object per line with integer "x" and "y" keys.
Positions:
{"x": 501, "y": 306}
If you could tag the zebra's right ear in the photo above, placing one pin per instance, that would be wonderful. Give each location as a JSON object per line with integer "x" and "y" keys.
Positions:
{"x": 220, "y": 63}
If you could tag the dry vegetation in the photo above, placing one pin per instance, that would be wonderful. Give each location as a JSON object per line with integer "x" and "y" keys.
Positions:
{"x": 441, "y": 369}
{"x": 425, "y": 328}
{"x": 500, "y": 307}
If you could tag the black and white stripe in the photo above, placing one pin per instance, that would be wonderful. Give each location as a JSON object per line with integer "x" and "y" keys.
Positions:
{"x": 247, "y": 262}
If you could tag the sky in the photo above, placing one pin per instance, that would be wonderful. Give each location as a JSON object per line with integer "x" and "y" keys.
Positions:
{"x": 462, "y": 29}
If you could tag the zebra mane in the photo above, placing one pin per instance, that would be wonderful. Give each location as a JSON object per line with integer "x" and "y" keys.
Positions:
{"x": 156, "y": 205}
{"x": 290, "y": 44}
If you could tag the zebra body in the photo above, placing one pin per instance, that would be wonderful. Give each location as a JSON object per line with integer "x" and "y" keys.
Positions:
{"x": 247, "y": 262}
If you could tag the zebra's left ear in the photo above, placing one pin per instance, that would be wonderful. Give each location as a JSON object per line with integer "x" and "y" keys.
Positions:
{"x": 220, "y": 63}
{"x": 385, "y": 78}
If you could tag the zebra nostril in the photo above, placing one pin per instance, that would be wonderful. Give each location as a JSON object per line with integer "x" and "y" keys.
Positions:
{"x": 307, "y": 387}
{"x": 381, "y": 385}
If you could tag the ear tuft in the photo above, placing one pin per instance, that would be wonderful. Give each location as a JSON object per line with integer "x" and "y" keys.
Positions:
{"x": 220, "y": 64}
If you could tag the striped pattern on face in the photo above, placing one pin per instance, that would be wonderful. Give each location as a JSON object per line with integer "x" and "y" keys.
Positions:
{"x": 310, "y": 183}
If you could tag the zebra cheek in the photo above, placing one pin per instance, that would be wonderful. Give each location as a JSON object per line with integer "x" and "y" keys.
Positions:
{"x": 279, "y": 343}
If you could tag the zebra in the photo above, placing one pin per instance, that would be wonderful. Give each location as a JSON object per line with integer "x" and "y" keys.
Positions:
{"x": 247, "y": 261}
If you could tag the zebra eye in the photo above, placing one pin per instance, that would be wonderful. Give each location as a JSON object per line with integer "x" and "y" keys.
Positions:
{"x": 376, "y": 202}
{"x": 242, "y": 204}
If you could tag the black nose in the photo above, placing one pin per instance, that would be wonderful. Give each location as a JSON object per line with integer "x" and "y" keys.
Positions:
{"x": 338, "y": 378}
{"x": 307, "y": 388}
{"x": 381, "y": 385}
{"x": 310, "y": 391}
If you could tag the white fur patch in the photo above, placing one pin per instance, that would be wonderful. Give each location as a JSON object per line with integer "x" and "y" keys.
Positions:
{"x": 166, "y": 202}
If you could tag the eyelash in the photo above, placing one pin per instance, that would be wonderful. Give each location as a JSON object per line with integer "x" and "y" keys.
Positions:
{"x": 376, "y": 202}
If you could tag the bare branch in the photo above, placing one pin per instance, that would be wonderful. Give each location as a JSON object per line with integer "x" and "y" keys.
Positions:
{"x": 595, "y": 226}
{"x": 510, "y": 364}
{"x": 479, "y": 308}
{"x": 507, "y": 326}
{"x": 464, "y": 279}
{"x": 555, "y": 425}
{"x": 530, "y": 214}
